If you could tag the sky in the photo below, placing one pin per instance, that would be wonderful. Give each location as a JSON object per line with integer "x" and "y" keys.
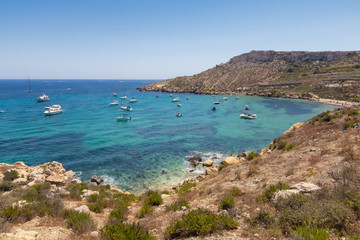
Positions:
{"x": 160, "y": 39}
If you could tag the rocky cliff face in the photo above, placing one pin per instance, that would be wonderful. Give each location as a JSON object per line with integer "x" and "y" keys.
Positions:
{"x": 246, "y": 72}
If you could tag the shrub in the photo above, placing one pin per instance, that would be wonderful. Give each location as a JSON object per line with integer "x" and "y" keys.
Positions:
{"x": 78, "y": 222}
{"x": 97, "y": 203}
{"x": 269, "y": 192}
{"x": 76, "y": 190}
{"x": 252, "y": 155}
{"x": 133, "y": 231}
{"x": 145, "y": 209}
{"x": 165, "y": 192}
{"x": 13, "y": 175}
{"x": 291, "y": 146}
{"x": 185, "y": 188}
{"x": 353, "y": 112}
{"x": 153, "y": 198}
{"x": 263, "y": 219}
{"x": 236, "y": 192}
{"x": 311, "y": 233}
{"x": 200, "y": 222}
{"x": 350, "y": 124}
{"x": 16, "y": 214}
{"x": 176, "y": 206}
{"x": 281, "y": 145}
{"x": 6, "y": 186}
{"x": 121, "y": 204}
{"x": 227, "y": 202}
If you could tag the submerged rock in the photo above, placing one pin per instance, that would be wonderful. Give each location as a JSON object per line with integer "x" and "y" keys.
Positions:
{"x": 194, "y": 160}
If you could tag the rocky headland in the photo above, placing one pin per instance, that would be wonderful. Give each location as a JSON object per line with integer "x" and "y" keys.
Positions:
{"x": 297, "y": 74}
{"x": 305, "y": 182}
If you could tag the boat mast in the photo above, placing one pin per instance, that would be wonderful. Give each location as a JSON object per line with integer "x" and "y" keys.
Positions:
{"x": 29, "y": 90}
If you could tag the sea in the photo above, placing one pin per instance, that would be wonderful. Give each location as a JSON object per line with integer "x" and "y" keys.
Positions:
{"x": 149, "y": 151}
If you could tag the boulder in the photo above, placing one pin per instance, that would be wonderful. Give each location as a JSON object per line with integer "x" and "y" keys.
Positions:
{"x": 231, "y": 161}
{"x": 63, "y": 191}
{"x": 96, "y": 179}
{"x": 282, "y": 194}
{"x": 82, "y": 209}
{"x": 305, "y": 187}
{"x": 75, "y": 181}
{"x": 211, "y": 170}
{"x": 208, "y": 163}
{"x": 86, "y": 192}
{"x": 194, "y": 160}
{"x": 57, "y": 179}
{"x": 20, "y": 180}
{"x": 70, "y": 175}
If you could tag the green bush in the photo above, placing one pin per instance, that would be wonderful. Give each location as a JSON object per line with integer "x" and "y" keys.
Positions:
{"x": 97, "y": 203}
{"x": 350, "y": 124}
{"x": 165, "y": 192}
{"x": 176, "y": 206}
{"x": 353, "y": 112}
{"x": 281, "y": 145}
{"x": 6, "y": 186}
{"x": 252, "y": 155}
{"x": 290, "y": 146}
{"x": 145, "y": 209}
{"x": 269, "y": 192}
{"x": 78, "y": 222}
{"x": 126, "y": 231}
{"x": 13, "y": 175}
{"x": 227, "y": 202}
{"x": 76, "y": 190}
{"x": 153, "y": 198}
{"x": 263, "y": 219}
{"x": 122, "y": 201}
{"x": 185, "y": 188}
{"x": 311, "y": 233}
{"x": 236, "y": 192}
{"x": 199, "y": 222}
{"x": 16, "y": 214}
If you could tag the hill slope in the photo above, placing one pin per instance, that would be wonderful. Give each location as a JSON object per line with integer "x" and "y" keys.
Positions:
{"x": 270, "y": 73}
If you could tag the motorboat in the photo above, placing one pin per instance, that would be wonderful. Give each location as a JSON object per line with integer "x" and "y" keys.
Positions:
{"x": 237, "y": 98}
{"x": 170, "y": 95}
{"x": 133, "y": 100}
{"x": 114, "y": 94}
{"x": 187, "y": 98}
{"x": 214, "y": 109}
{"x": 114, "y": 103}
{"x": 179, "y": 104}
{"x": 68, "y": 89}
{"x": 175, "y": 99}
{"x": 43, "y": 98}
{"x": 157, "y": 96}
{"x": 53, "y": 110}
{"x": 216, "y": 103}
{"x": 246, "y": 107}
{"x": 248, "y": 116}
{"x": 123, "y": 97}
{"x": 178, "y": 114}
{"x": 123, "y": 118}
{"x": 225, "y": 98}
{"x": 2, "y": 111}
{"x": 126, "y": 108}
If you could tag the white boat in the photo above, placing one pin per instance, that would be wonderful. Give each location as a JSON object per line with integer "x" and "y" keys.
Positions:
{"x": 246, "y": 107}
{"x": 170, "y": 95}
{"x": 225, "y": 98}
{"x": 114, "y": 94}
{"x": 126, "y": 108}
{"x": 132, "y": 100}
{"x": 248, "y": 116}
{"x": 175, "y": 99}
{"x": 53, "y": 110}
{"x": 178, "y": 114}
{"x": 68, "y": 89}
{"x": 114, "y": 103}
{"x": 179, "y": 104}
{"x": 123, "y": 118}
{"x": 123, "y": 97}
{"x": 43, "y": 98}
{"x": 2, "y": 111}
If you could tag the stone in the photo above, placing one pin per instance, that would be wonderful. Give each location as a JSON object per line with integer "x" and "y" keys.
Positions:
{"x": 20, "y": 164}
{"x": 57, "y": 179}
{"x": 183, "y": 208}
{"x": 231, "y": 161}
{"x": 282, "y": 194}
{"x": 96, "y": 179}
{"x": 211, "y": 170}
{"x": 70, "y": 175}
{"x": 86, "y": 192}
{"x": 20, "y": 180}
{"x": 94, "y": 234}
{"x": 305, "y": 187}
{"x": 82, "y": 209}
{"x": 208, "y": 163}
{"x": 194, "y": 160}
{"x": 75, "y": 181}
{"x": 163, "y": 171}
{"x": 63, "y": 191}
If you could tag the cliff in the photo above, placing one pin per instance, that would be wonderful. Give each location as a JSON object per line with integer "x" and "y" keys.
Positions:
{"x": 269, "y": 73}
{"x": 305, "y": 182}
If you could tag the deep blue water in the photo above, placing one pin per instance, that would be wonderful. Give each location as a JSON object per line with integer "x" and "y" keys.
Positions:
{"x": 87, "y": 139}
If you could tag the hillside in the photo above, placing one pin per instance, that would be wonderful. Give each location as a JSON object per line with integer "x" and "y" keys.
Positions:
{"x": 297, "y": 74}
{"x": 318, "y": 160}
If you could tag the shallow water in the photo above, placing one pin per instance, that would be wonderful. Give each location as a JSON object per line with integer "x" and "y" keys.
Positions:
{"x": 87, "y": 139}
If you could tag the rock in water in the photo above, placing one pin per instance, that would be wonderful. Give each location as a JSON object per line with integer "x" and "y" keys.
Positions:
{"x": 194, "y": 160}
{"x": 96, "y": 179}
{"x": 208, "y": 163}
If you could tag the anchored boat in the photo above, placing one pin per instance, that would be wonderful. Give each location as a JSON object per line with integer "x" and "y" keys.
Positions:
{"x": 43, "y": 98}
{"x": 248, "y": 116}
{"x": 53, "y": 110}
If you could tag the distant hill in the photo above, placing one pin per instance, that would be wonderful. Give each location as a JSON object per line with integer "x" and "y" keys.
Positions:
{"x": 296, "y": 74}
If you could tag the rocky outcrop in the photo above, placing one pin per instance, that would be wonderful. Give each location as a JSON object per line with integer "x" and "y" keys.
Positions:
{"x": 302, "y": 187}
{"x": 231, "y": 161}
{"x": 96, "y": 179}
{"x": 195, "y": 160}
{"x": 208, "y": 163}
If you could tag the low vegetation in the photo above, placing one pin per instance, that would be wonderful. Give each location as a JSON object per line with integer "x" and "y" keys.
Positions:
{"x": 97, "y": 202}
{"x": 176, "y": 206}
{"x": 252, "y": 155}
{"x": 78, "y": 222}
{"x": 185, "y": 188}
{"x": 121, "y": 202}
{"x": 119, "y": 230}
{"x": 151, "y": 199}
{"x": 200, "y": 222}
{"x": 269, "y": 192}
{"x": 227, "y": 202}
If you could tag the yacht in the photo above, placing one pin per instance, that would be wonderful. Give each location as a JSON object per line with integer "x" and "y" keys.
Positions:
{"x": 225, "y": 98}
{"x": 175, "y": 99}
{"x": 123, "y": 97}
{"x": 123, "y": 118}
{"x": 2, "y": 111}
{"x": 114, "y": 94}
{"x": 248, "y": 116}
{"x": 114, "y": 103}
{"x": 179, "y": 104}
{"x": 126, "y": 108}
{"x": 43, "y": 98}
{"x": 178, "y": 114}
{"x": 53, "y": 110}
{"x": 132, "y": 100}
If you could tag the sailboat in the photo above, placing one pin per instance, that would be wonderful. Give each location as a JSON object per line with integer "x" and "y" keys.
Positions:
{"x": 29, "y": 89}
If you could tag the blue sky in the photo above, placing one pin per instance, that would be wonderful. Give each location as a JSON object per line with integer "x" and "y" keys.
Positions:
{"x": 158, "y": 39}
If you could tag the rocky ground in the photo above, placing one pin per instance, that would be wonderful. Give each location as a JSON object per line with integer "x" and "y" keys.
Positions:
{"x": 307, "y": 162}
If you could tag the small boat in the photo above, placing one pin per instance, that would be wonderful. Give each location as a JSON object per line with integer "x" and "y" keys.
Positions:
{"x": 157, "y": 96}
{"x": 126, "y": 108}
{"x": 246, "y": 107}
{"x": 170, "y": 95}
{"x": 123, "y": 118}
{"x": 225, "y": 98}
{"x": 114, "y": 94}
{"x": 179, "y": 104}
{"x": 53, "y": 110}
{"x": 29, "y": 89}
{"x": 248, "y": 116}
{"x": 178, "y": 114}
{"x": 123, "y": 97}
{"x": 216, "y": 103}
{"x": 68, "y": 89}
{"x": 175, "y": 99}
{"x": 114, "y": 103}
{"x": 2, "y": 111}
{"x": 43, "y": 98}
{"x": 214, "y": 109}
{"x": 187, "y": 98}
{"x": 237, "y": 98}
{"x": 132, "y": 100}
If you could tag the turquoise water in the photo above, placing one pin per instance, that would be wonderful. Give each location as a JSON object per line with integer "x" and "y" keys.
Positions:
{"x": 87, "y": 139}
